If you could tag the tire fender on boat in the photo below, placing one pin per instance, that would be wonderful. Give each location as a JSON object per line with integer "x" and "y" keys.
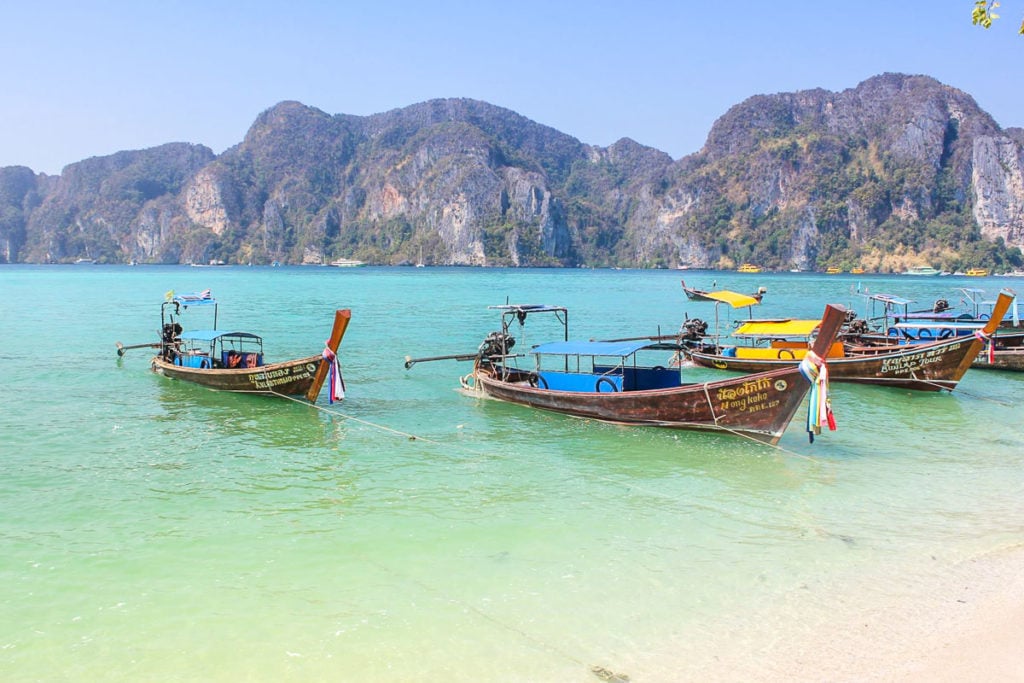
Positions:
{"x": 782, "y": 351}
{"x": 605, "y": 380}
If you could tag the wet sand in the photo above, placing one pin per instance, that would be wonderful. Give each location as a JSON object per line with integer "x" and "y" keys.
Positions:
{"x": 960, "y": 623}
{"x": 979, "y": 636}
{"x": 967, "y": 625}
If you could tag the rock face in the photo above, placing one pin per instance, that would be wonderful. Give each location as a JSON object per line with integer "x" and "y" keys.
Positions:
{"x": 899, "y": 170}
{"x": 19, "y": 196}
{"x": 998, "y": 183}
{"x": 122, "y": 207}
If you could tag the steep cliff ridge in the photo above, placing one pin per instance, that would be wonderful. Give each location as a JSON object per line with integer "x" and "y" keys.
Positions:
{"x": 898, "y": 170}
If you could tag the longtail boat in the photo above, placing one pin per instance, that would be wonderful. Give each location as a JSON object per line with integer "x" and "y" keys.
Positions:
{"x": 891, "y": 321}
{"x": 605, "y": 380}
{"x": 230, "y": 360}
{"x": 694, "y": 294}
{"x": 929, "y": 366}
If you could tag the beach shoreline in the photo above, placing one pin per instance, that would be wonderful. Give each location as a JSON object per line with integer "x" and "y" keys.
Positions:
{"x": 965, "y": 623}
{"x": 954, "y": 623}
{"x": 978, "y": 634}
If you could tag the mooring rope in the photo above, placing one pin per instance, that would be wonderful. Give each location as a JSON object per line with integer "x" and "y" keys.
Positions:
{"x": 415, "y": 437}
{"x": 711, "y": 405}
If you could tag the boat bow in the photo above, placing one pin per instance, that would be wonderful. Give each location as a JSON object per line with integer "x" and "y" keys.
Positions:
{"x": 341, "y": 320}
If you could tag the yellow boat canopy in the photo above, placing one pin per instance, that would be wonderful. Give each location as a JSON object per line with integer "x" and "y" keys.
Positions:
{"x": 734, "y": 299}
{"x": 776, "y": 328}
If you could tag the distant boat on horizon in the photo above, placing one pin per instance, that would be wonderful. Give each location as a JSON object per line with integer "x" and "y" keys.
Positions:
{"x": 748, "y": 268}
{"x": 347, "y": 263}
{"x": 922, "y": 270}
{"x": 84, "y": 261}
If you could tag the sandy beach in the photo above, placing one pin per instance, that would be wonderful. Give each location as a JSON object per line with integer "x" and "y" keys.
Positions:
{"x": 978, "y": 632}
{"x": 958, "y": 624}
{"x": 965, "y": 624}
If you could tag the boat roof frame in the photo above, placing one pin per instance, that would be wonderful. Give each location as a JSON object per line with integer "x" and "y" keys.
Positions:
{"x": 606, "y": 349}
{"x": 519, "y": 312}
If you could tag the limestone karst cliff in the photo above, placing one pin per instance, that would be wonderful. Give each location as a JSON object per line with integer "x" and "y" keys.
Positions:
{"x": 897, "y": 170}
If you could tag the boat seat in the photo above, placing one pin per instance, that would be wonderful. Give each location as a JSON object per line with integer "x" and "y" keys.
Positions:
{"x": 196, "y": 360}
{"x": 579, "y": 381}
{"x": 234, "y": 359}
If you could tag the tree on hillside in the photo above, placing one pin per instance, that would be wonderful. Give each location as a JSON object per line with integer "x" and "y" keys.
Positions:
{"x": 983, "y": 14}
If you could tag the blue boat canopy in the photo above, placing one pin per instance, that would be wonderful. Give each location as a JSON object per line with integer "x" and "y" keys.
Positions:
{"x": 211, "y": 335}
{"x": 590, "y": 348}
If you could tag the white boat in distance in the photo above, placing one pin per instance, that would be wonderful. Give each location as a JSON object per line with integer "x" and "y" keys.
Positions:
{"x": 347, "y": 263}
{"x": 922, "y": 270}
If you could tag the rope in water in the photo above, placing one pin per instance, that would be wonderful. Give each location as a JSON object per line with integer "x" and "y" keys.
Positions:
{"x": 473, "y": 451}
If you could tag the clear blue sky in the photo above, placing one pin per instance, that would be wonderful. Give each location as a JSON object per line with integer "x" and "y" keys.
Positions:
{"x": 82, "y": 79}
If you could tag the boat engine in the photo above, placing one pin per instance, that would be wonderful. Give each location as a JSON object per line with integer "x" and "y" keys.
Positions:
{"x": 940, "y": 306}
{"x": 170, "y": 336}
{"x": 693, "y": 329}
{"x": 496, "y": 344}
{"x": 858, "y": 326}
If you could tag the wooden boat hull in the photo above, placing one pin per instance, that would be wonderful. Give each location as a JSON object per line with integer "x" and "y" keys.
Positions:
{"x": 1002, "y": 359}
{"x": 696, "y": 295}
{"x": 922, "y": 367}
{"x": 702, "y": 295}
{"x": 759, "y": 406}
{"x": 288, "y": 378}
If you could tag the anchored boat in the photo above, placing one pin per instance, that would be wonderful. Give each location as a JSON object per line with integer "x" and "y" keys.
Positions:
{"x": 610, "y": 381}
{"x": 233, "y": 360}
{"x": 927, "y": 366}
{"x": 694, "y": 294}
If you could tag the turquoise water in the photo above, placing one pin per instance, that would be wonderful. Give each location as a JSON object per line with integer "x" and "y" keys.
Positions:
{"x": 152, "y": 530}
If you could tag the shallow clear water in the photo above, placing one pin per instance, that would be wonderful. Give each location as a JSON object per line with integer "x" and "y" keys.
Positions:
{"x": 159, "y": 531}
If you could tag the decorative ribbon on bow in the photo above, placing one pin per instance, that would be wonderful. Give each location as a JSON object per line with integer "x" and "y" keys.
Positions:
{"x": 980, "y": 334}
{"x": 335, "y": 380}
{"x": 819, "y": 404}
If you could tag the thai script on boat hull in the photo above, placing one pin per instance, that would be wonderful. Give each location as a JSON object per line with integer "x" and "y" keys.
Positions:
{"x": 902, "y": 365}
{"x": 750, "y": 397}
{"x": 268, "y": 380}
